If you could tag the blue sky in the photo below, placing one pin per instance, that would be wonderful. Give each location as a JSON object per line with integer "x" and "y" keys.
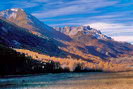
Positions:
{"x": 112, "y": 17}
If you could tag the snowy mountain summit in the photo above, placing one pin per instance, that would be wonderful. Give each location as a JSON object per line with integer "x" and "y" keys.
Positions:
{"x": 16, "y": 9}
{"x": 10, "y": 13}
{"x": 25, "y": 20}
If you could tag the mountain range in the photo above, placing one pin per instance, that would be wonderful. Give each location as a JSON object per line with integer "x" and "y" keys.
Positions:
{"x": 21, "y": 30}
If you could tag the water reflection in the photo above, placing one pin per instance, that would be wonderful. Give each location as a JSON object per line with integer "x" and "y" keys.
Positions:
{"x": 71, "y": 81}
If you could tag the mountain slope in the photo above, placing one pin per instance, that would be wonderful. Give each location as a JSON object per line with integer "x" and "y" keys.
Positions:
{"x": 82, "y": 42}
{"x": 31, "y": 23}
{"x": 91, "y": 41}
{"x": 15, "y": 63}
{"x": 14, "y": 36}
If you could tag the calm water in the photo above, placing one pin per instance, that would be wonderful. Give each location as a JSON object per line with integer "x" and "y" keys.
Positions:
{"x": 71, "y": 81}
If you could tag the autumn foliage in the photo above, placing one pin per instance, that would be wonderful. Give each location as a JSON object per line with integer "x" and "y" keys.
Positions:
{"x": 73, "y": 64}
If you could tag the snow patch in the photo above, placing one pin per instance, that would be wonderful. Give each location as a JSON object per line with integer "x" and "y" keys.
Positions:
{"x": 10, "y": 13}
{"x": 13, "y": 15}
{"x": 14, "y": 9}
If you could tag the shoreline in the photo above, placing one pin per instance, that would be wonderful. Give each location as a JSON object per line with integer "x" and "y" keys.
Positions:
{"x": 38, "y": 74}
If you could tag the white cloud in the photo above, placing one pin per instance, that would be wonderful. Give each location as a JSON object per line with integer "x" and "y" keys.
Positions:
{"x": 117, "y": 27}
{"x": 124, "y": 38}
{"x": 73, "y": 7}
{"x": 105, "y": 26}
{"x": 61, "y": 11}
{"x": 120, "y": 32}
{"x": 23, "y": 4}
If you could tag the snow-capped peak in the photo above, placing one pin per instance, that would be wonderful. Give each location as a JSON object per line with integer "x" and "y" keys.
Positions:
{"x": 87, "y": 30}
{"x": 24, "y": 19}
{"x": 10, "y": 13}
{"x": 16, "y": 9}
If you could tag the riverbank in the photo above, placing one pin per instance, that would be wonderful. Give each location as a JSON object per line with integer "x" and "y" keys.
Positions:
{"x": 91, "y": 80}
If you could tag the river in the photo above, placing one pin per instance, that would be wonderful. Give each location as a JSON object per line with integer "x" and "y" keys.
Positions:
{"x": 90, "y": 80}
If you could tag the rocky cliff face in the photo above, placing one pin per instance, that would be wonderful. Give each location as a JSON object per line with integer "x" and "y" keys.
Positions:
{"x": 86, "y": 30}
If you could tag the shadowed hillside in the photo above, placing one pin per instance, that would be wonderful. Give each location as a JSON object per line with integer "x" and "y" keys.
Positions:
{"x": 14, "y": 63}
{"x": 14, "y": 36}
{"x": 78, "y": 65}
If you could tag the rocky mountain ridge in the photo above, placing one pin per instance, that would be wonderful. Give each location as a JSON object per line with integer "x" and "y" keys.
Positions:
{"x": 73, "y": 30}
{"x": 80, "y": 42}
{"x": 31, "y": 23}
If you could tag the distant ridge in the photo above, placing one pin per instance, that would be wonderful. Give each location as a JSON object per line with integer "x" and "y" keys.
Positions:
{"x": 71, "y": 31}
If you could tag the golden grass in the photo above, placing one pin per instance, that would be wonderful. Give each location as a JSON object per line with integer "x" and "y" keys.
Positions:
{"x": 72, "y": 63}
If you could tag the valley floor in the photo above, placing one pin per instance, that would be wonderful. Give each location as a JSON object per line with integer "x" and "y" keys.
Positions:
{"x": 121, "y": 80}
